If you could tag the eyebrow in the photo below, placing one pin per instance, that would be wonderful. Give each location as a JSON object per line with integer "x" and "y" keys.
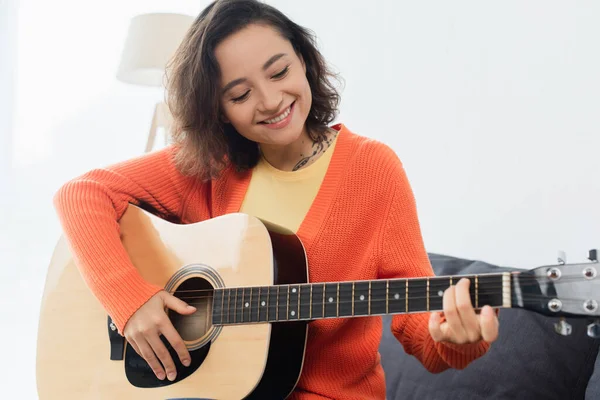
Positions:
{"x": 265, "y": 66}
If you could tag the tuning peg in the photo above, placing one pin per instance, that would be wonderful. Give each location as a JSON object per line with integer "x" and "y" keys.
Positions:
{"x": 593, "y": 330}
{"x": 593, "y": 255}
{"x": 562, "y": 327}
{"x": 562, "y": 257}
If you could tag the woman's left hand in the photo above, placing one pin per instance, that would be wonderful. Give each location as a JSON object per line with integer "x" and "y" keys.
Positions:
{"x": 462, "y": 325}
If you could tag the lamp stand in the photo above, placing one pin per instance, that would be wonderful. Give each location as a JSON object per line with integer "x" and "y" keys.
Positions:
{"x": 161, "y": 119}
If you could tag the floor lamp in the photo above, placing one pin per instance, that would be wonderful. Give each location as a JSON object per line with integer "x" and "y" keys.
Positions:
{"x": 151, "y": 41}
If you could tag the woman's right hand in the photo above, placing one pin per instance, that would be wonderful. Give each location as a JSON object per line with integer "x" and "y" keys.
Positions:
{"x": 145, "y": 326}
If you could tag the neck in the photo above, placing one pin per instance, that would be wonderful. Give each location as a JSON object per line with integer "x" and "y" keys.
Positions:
{"x": 310, "y": 301}
{"x": 296, "y": 155}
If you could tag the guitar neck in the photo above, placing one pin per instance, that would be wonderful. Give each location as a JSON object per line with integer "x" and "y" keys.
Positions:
{"x": 311, "y": 301}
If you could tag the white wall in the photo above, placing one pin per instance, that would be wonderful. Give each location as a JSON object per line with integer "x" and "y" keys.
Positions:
{"x": 492, "y": 106}
{"x": 8, "y": 49}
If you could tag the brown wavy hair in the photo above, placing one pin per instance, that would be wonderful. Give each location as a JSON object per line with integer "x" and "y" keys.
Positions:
{"x": 204, "y": 143}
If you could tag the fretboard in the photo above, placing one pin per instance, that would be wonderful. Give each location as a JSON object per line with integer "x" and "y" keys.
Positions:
{"x": 310, "y": 301}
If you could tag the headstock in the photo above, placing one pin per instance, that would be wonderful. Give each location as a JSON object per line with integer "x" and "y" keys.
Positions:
{"x": 562, "y": 290}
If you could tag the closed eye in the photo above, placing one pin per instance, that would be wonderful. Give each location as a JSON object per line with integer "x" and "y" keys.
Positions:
{"x": 281, "y": 73}
{"x": 241, "y": 98}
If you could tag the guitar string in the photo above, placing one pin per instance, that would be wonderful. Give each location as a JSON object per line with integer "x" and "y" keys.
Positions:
{"x": 489, "y": 290}
{"x": 241, "y": 311}
{"x": 528, "y": 297}
{"x": 532, "y": 299}
{"x": 528, "y": 301}
{"x": 535, "y": 281}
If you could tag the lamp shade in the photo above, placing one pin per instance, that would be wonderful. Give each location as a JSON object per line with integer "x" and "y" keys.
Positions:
{"x": 151, "y": 42}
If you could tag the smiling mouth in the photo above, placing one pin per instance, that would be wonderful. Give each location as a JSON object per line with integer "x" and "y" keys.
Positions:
{"x": 278, "y": 118}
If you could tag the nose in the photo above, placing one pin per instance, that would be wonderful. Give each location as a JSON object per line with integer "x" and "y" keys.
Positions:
{"x": 270, "y": 99}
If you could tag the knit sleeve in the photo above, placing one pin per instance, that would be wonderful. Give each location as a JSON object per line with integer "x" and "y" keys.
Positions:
{"x": 89, "y": 208}
{"x": 403, "y": 255}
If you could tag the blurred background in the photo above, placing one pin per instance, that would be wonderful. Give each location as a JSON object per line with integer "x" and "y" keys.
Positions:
{"x": 493, "y": 108}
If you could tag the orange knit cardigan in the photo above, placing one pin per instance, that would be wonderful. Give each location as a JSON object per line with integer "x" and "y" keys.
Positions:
{"x": 362, "y": 225}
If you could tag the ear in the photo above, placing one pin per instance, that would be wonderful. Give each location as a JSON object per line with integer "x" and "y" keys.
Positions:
{"x": 224, "y": 119}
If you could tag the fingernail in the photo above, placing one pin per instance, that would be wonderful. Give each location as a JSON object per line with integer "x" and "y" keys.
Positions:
{"x": 186, "y": 362}
{"x": 172, "y": 376}
{"x": 160, "y": 376}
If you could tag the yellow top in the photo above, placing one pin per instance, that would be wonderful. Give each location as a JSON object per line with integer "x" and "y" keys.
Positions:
{"x": 284, "y": 197}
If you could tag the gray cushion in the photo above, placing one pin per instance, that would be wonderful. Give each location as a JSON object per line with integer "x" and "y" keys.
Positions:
{"x": 593, "y": 390}
{"x": 528, "y": 361}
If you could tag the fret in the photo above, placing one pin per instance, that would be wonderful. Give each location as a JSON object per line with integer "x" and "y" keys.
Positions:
{"x": 396, "y": 296}
{"x": 229, "y": 318}
{"x": 476, "y": 291}
{"x": 490, "y": 290}
{"x": 369, "y": 306}
{"x": 293, "y": 301}
{"x": 427, "y": 295}
{"x": 245, "y": 304}
{"x": 217, "y": 316}
{"x": 233, "y": 306}
{"x": 318, "y": 304}
{"x": 311, "y": 303}
{"x": 406, "y": 296}
{"x": 352, "y": 298}
{"x": 361, "y": 298}
{"x": 345, "y": 299}
{"x": 287, "y": 310}
{"x": 378, "y": 301}
{"x": 331, "y": 300}
{"x": 337, "y": 303}
{"x": 472, "y": 293}
{"x": 223, "y": 314}
{"x": 305, "y": 302}
{"x": 324, "y": 285}
{"x": 256, "y": 308}
{"x": 437, "y": 287}
{"x": 254, "y": 304}
{"x": 239, "y": 309}
{"x": 387, "y": 296}
{"x": 272, "y": 303}
{"x": 248, "y": 304}
{"x": 282, "y": 302}
{"x": 263, "y": 304}
{"x": 417, "y": 295}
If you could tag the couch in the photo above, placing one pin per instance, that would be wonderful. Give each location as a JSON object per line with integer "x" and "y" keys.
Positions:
{"x": 529, "y": 360}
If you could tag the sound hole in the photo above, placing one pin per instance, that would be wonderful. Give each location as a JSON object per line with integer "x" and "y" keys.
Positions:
{"x": 196, "y": 292}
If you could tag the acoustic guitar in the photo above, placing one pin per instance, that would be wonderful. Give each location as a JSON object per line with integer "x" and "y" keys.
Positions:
{"x": 249, "y": 282}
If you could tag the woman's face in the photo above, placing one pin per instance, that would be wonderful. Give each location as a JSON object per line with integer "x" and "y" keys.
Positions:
{"x": 265, "y": 94}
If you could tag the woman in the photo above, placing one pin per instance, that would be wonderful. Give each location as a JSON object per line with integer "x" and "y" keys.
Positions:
{"x": 252, "y": 103}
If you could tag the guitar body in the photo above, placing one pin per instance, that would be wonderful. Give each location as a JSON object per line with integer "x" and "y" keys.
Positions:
{"x": 249, "y": 283}
{"x": 254, "y": 361}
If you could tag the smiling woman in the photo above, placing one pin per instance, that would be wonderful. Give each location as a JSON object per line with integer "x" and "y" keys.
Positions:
{"x": 271, "y": 101}
{"x": 252, "y": 103}
{"x": 264, "y": 82}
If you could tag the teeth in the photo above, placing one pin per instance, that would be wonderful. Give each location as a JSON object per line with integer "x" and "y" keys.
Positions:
{"x": 277, "y": 119}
